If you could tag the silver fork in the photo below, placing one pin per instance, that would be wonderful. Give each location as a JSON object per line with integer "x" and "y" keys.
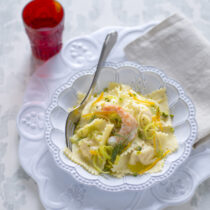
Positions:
{"x": 74, "y": 115}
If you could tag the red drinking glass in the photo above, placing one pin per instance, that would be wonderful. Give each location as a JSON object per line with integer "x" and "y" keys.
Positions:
{"x": 44, "y": 24}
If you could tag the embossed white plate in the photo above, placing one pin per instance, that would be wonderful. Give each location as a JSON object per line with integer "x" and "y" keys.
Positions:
{"x": 141, "y": 78}
{"x": 57, "y": 189}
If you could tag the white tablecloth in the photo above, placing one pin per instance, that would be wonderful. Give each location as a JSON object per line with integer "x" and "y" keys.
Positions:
{"x": 17, "y": 190}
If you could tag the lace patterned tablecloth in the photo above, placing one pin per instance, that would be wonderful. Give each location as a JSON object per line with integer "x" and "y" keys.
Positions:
{"x": 17, "y": 190}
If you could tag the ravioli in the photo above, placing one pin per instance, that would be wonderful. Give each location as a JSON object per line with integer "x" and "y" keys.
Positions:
{"x": 122, "y": 132}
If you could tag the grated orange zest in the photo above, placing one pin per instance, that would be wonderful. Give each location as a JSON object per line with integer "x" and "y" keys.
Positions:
{"x": 93, "y": 152}
{"x": 98, "y": 99}
{"x": 142, "y": 101}
{"x": 154, "y": 163}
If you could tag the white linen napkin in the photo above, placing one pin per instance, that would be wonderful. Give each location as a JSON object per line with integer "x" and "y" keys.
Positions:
{"x": 177, "y": 48}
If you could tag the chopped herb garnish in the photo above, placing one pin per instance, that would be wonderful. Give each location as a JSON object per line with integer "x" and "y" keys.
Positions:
{"x": 116, "y": 151}
{"x": 116, "y": 120}
{"x": 172, "y": 130}
{"x": 105, "y": 89}
{"x": 139, "y": 148}
{"x": 164, "y": 115}
{"x": 118, "y": 123}
{"x": 172, "y": 116}
{"x": 120, "y": 99}
{"x": 107, "y": 99}
{"x": 140, "y": 135}
{"x": 158, "y": 112}
{"x": 135, "y": 174}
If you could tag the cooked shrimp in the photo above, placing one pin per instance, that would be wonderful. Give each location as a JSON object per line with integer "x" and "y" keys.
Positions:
{"x": 129, "y": 124}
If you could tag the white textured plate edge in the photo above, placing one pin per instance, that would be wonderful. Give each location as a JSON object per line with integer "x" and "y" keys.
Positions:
{"x": 99, "y": 182}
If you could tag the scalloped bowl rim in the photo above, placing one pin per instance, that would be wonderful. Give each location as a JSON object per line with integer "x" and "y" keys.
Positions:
{"x": 55, "y": 151}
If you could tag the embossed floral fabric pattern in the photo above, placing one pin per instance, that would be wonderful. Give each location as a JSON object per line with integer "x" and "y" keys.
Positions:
{"x": 17, "y": 190}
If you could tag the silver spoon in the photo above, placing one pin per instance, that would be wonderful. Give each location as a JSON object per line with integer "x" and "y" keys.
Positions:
{"x": 74, "y": 115}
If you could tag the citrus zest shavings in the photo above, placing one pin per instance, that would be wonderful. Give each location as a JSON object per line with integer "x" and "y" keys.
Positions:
{"x": 141, "y": 101}
{"x": 161, "y": 127}
{"x": 154, "y": 163}
{"x": 98, "y": 99}
{"x": 156, "y": 122}
{"x": 158, "y": 114}
{"x": 87, "y": 115}
{"x": 156, "y": 119}
{"x": 93, "y": 152}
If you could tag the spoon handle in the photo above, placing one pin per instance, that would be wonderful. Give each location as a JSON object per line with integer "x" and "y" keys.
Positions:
{"x": 109, "y": 42}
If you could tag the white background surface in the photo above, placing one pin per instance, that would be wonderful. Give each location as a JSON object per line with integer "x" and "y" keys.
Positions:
{"x": 17, "y": 190}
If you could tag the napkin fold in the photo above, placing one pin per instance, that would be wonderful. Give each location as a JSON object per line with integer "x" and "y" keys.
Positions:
{"x": 178, "y": 49}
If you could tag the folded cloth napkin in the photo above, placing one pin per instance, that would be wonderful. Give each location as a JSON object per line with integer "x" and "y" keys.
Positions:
{"x": 182, "y": 53}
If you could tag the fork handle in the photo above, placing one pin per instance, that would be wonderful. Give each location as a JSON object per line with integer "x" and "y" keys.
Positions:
{"x": 109, "y": 42}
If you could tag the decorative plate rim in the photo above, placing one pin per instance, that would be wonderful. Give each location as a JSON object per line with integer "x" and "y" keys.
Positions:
{"x": 55, "y": 151}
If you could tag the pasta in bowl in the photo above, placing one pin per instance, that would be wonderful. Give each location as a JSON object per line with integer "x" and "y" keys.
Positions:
{"x": 121, "y": 157}
{"x": 123, "y": 132}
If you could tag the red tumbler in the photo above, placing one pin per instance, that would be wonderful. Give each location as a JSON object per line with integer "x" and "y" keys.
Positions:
{"x": 44, "y": 24}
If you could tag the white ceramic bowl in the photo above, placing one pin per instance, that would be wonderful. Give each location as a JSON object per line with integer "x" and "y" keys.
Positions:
{"x": 143, "y": 78}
